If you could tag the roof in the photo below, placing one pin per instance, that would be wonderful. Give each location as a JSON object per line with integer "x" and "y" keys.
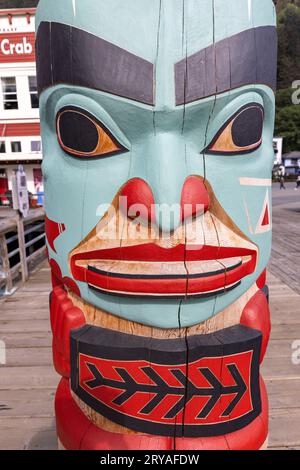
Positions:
{"x": 5, "y": 4}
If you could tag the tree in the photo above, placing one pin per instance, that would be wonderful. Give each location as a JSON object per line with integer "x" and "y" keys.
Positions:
{"x": 287, "y": 123}
{"x": 289, "y": 45}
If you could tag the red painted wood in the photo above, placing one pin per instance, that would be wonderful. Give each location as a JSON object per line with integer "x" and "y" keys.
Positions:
{"x": 154, "y": 253}
{"x": 56, "y": 274}
{"x": 252, "y": 437}
{"x": 64, "y": 318}
{"x": 261, "y": 281}
{"x": 53, "y": 231}
{"x": 71, "y": 284}
{"x": 151, "y": 252}
{"x": 160, "y": 285}
{"x": 256, "y": 315}
{"x": 255, "y": 434}
{"x": 266, "y": 219}
{"x": 138, "y": 200}
{"x": 194, "y": 197}
{"x": 76, "y": 432}
{"x": 71, "y": 423}
{"x": 209, "y": 443}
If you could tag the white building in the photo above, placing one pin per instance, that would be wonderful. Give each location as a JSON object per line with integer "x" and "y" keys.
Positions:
{"x": 20, "y": 141}
{"x": 278, "y": 147}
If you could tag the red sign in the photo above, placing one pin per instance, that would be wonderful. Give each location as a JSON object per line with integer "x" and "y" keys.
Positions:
{"x": 17, "y": 47}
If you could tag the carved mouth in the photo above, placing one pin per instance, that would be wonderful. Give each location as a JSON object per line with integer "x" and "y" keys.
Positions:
{"x": 152, "y": 271}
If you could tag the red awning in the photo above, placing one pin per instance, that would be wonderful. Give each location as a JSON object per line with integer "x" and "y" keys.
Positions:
{"x": 24, "y": 129}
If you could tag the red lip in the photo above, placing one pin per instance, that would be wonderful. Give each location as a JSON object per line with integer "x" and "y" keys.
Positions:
{"x": 185, "y": 285}
{"x": 151, "y": 252}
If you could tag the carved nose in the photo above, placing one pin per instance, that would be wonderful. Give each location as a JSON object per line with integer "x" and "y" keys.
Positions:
{"x": 137, "y": 200}
{"x": 194, "y": 198}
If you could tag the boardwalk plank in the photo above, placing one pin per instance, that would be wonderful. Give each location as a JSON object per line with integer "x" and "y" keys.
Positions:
{"x": 21, "y": 433}
{"x": 25, "y": 314}
{"x": 15, "y": 378}
{"x": 286, "y": 331}
{"x": 280, "y": 368}
{"x": 284, "y": 427}
{"x": 31, "y": 402}
{"x": 283, "y": 393}
{"x": 33, "y": 356}
{"x": 280, "y": 348}
{"x": 27, "y": 340}
{"x": 11, "y": 326}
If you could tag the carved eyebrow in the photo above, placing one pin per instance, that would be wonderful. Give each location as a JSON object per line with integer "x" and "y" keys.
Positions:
{"x": 69, "y": 55}
{"x": 249, "y": 57}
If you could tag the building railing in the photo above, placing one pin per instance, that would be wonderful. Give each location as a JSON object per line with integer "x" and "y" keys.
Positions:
{"x": 35, "y": 200}
{"x": 22, "y": 247}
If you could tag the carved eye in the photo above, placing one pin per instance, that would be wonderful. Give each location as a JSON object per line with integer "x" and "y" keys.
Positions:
{"x": 241, "y": 134}
{"x": 81, "y": 135}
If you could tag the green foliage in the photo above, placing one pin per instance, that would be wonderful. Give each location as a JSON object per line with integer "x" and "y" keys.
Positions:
{"x": 287, "y": 123}
{"x": 289, "y": 45}
{"x": 284, "y": 97}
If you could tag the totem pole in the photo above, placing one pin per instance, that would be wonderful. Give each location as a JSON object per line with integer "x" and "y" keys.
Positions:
{"x": 157, "y": 123}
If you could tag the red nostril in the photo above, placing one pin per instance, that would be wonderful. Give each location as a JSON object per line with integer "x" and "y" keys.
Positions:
{"x": 139, "y": 200}
{"x": 194, "y": 197}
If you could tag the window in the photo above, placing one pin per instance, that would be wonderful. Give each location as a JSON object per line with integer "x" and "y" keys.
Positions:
{"x": 33, "y": 92}
{"x": 16, "y": 147}
{"x": 4, "y": 201}
{"x": 9, "y": 91}
{"x": 38, "y": 179}
{"x": 2, "y": 147}
{"x": 36, "y": 146}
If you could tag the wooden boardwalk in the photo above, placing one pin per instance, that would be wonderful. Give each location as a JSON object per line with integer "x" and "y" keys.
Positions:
{"x": 285, "y": 262}
{"x": 28, "y": 381}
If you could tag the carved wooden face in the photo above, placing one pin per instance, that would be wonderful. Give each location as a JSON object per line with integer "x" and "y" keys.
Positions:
{"x": 158, "y": 150}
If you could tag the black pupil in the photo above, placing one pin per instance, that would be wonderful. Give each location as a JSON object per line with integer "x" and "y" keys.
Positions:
{"x": 247, "y": 127}
{"x": 78, "y": 132}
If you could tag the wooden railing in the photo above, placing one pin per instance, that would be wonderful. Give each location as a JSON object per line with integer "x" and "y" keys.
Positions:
{"x": 22, "y": 246}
